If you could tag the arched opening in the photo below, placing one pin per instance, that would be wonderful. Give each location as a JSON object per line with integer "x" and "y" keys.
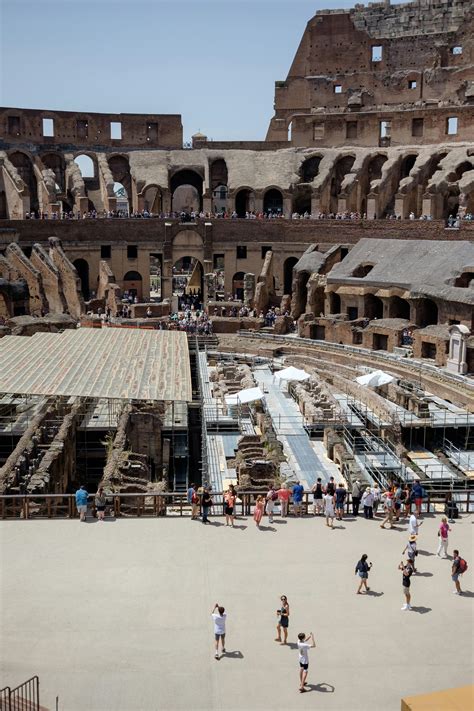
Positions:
{"x": 288, "y": 274}
{"x": 238, "y": 285}
{"x": 465, "y": 280}
{"x": 188, "y": 285}
{"x": 399, "y": 308}
{"x": 372, "y": 172}
{"x": 406, "y": 165}
{"x": 427, "y": 313}
{"x": 82, "y": 268}
{"x": 362, "y": 270}
{"x": 219, "y": 199}
{"x": 309, "y": 169}
{"x": 153, "y": 199}
{"x": 300, "y": 294}
{"x": 132, "y": 285}
{"x": 302, "y": 200}
{"x": 244, "y": 202}
{"x": 25, "y": 169}
{"x": 3, "y": 205}
{"x": 120, "y": 169}
{"x": 451, "y": 202}
{"x": 334, "y": 303}
{"x": 273, "y": 202}
{"x": 155, "y": 277}
{"x": 373, "y": 307}
{"x": 463, "y": 168}
{"x": 86, "y": 166}
{"x": 186, "y": 190}
{"x": 55, "y": 162}
{"x": 218, "y": 183}
{"x": 341, "y": 168}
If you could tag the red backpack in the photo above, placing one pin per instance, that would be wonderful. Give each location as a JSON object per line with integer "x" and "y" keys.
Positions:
{"x": 462, "y": 565}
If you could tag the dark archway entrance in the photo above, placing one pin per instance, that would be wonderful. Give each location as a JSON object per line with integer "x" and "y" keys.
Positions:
{"x": 82, "y": 268}
{"x": 188, "y": 282}
{"x": 373, "y": 307}
{"x": 273, "y": 202}
{"x": 242, "y": 202}
{"x": 399, "y": 308}
{"x": 185, "y": 181}
{"x": 342, "y": 167}
{"x": 288, "y": 274}
{"x": 24, "y": 166}
{"x": 132, "y": 283}
{"x": 427, "y": 313}
{"x": 238, "y": 285}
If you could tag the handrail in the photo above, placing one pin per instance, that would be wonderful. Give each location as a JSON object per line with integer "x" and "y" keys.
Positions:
{"x": 152, "y": 504}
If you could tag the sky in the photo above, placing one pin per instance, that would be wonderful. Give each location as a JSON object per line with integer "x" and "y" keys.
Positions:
{"x": 213, "y": 61}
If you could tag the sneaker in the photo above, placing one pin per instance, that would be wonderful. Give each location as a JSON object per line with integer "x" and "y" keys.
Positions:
{"x": 409, "y": 607}
{"x": 455, "y": 592}
{"x": 405, "y": 607}
{"x": 216, "y": 656}
{"x": 223, "y": 651}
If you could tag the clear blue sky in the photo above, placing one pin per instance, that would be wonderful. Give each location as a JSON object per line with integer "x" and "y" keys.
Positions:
{"x": 213, "y": 61}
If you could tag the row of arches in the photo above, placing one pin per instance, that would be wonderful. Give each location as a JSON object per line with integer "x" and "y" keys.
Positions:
{"x": 423, "y": 312}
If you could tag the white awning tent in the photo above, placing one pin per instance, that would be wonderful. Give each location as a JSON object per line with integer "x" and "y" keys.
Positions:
{"x": 292, "y": 373}
{"x": 244, "y": 396}
{"x": 375, "y": 379}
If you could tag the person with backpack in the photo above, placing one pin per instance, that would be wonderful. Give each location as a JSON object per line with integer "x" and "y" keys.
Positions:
{"x": 362, "y": 570}
{"x": 411, "y": 551}
{"x": 206, "y": 503}
{"x": 317, "y": 491}
{"x": 340, "y": 499}
{"x": 459, "y": 567}
{"x": 407, "y": 572}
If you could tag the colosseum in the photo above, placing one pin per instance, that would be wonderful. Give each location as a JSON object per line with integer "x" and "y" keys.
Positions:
{"x": 255, "y": 313}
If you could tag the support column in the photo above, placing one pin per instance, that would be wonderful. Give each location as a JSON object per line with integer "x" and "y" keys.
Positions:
{"x": 372, "y": 206}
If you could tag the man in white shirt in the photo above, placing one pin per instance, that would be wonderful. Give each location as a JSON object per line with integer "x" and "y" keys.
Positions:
{"x": 303, "y": 648}
{"x": 413, "y": 525}
{"x": 219, "y": 618}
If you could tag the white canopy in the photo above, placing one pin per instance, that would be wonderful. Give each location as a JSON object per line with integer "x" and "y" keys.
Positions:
{"x": 292, "y": 373}
{"x": 375, "y": 379}
{"x": 244, "y": 396}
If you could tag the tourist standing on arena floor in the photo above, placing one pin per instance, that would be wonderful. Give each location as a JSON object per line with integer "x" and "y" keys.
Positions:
{"x": 81, "y": 502}
{"x": 356, "y": 496}
{"x": 303, "y": 649}
{"x": 368, "y": 503}
{"x": 100, "y": 503}
{"x": 407, "y": 572}
{"x": 258, "y": 512}
{"x": 271, "y": 497}
{"x": 411, "y": 551}
{"x": 317, "y": 491}
{"x": 414, "y": 525}
{"x": 443, "y": 538}
{"x": 206, "y": 503}
{"x": 190, "y": 492}
{"x": 458, "y": 568}
{"x": 219, "y": 618}
{"x": 340, "y": 499}
{"x": 283, "y": 613}
{"x": 298, "y": 491}
{"x": 417, "y": 496}
{"x": 229, "y": 505}
{"x": 377, "y": 497}
{"x": 195, "y": 501}
{"x": 388, "y": 506}
{"x": 362, "y": 570}
{"x": 329, "y": 509}
{"x": 284, "y": 497}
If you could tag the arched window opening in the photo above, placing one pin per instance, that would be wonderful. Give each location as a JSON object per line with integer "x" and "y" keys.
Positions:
{"x": 427, "y": 313}
{"x": 24, "y": 166}
{"x": 122, "y": 204}
{"x": 82, "y": 268}
{"x": 152, "y": 200}
{"x": 132, "y": 285}
{"x": 155, "y": 277}
{"x": 244, "y": 202}
{"x": 309, "y": 169}
{"x": 55, "y": 162}
{"x": 407, "y": 164}
{"x": 186, "y": 189}
{"x": 373, "y": 307}
{"x": 273, "y": 202}
{"x": 219, "y": 199}
{"x": 120, "y": 169}
{"x": 238, "y": 285}
{"x": 188, "y": 284}
{"x": 86, "y": 166}
{"x": 465, "y": 280}
{"x": 341, "y": 169}
{"x": 399, "y": 308}
{"x": 334, "y": 303}
{"x": 302, "y": 200}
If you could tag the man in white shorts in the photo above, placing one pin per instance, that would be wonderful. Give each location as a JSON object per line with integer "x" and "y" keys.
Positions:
{"x": 303, "y": 648}
{"x": 219, "y": 618}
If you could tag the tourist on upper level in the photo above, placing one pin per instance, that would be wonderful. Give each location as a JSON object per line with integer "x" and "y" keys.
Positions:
{"x": 388, "y": 508}
{"x": 411, "y": 551}
{"x": 206, "y": 503}
{"x": 81, "y": 502}
{"x": 458, "y": 567}
{"x": 377, "y": 497}
{"x": 414, "y": 525}
{"x": 331, "y": 486}
{"x": 229, "y": 505}
{"x": 271, "y": 498}
{"x": 417, "y": 496}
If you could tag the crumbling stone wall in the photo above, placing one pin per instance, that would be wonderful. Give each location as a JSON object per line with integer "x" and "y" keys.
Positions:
{"x": 38, "y": 304}
{"x": 50, "y": 279}
{"x": 71, "y": 286}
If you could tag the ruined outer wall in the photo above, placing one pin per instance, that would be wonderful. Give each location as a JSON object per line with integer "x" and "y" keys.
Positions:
{"x": 90, "y": 130}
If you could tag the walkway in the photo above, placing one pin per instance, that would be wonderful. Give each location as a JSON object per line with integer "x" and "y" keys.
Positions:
{"x": 306, "y": 464}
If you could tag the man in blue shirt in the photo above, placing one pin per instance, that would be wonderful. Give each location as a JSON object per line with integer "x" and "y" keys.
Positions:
{"x": 81, "y": 502}
{"x": 298, "y": 491}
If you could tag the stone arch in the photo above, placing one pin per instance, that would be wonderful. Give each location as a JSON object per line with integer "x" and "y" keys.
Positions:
{"x": 451, "y": 201}
{"x": 334, "y": 303}
{"x": 273, "y": 201}
{"x": 133, "y": 283}
{"x": 87, "y": 163}
{"x": 82, "y": 268}
{"x": 244, "y": 201}
{"x": 288, "y": 266}
{"x": 187, "y": 240}
{"x": 373, "y": 307}
{"x": 341, "y": 168}
{"x": 152, "y": 195}
{"x": 427, "y": 313}
{"x": 398, "y": 308}
{"x": 189, "y": 182}
{"x": 218, "y": 174}
{"x": 302, "y": 199}
{"x": 56, "y": 163}
{"x": 188, "y": 278}
{"x": 361, "y": 271}
{"x": 309, "y": 168}
{"x": 238, "y": 285}
{"x": 24, "y": 165}
{"x": 120, "y": 168}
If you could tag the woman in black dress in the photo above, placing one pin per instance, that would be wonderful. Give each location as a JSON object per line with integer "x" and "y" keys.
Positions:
{"x": 283, "y": 613}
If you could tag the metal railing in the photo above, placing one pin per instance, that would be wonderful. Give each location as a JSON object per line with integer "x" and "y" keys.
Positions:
{"x": 172, "y": 504}
{"x": 24, "y": 697}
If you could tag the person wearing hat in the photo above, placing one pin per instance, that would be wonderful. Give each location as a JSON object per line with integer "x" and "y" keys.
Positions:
{"x": 368, "y": 502}
{"x": 411, "y": 550}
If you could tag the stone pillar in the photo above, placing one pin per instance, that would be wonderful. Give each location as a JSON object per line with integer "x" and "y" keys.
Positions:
{"x": 342, "y": 203}
{"x": 112, "y": 204}
{"x": 82, "y": 204}
{"x": 207, "y": 202}
{"x": 315, "y": 203}
{"x": 287, "y": 205}
{"x": 400, "y": 205}
{"x": 457, "y": 360}
{"x": 258, "y": 202}
{"x": 249, "y": 289}
{"x": 167, "y": 280}
{"x": 166, "y": 204}
{"x": 372, "y": 206}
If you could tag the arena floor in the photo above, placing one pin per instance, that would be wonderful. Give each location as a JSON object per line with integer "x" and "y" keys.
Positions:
{"x": 116, "y": 615}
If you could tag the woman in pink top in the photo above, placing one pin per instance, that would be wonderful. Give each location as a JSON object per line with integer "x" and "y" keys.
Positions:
{"x": 258, "y": 513}
{"x": 443, "y": 538}
{"x": 284, "y": 496}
